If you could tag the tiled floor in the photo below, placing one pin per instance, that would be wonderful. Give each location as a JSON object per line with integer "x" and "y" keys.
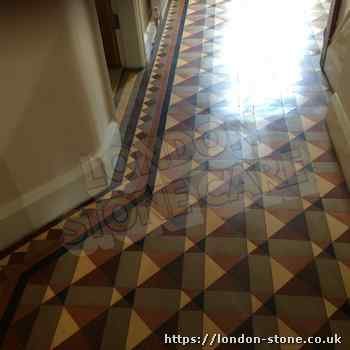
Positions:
{"x": 232, "y": 216}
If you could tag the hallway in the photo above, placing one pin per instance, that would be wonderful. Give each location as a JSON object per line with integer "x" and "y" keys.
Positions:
{"x": 230, "y": 213}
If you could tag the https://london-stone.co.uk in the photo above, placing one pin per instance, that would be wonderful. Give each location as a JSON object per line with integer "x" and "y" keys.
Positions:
{"x": 216, "y": 338}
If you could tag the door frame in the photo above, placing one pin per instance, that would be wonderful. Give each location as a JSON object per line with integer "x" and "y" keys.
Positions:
{"x": 108, "y": 31}
{"x": 330, "y": 29}
{"x": 130, "y": 34}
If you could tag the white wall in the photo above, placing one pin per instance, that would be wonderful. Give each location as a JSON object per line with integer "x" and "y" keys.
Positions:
{"x": 337, "y": 68}
{"x": 56, "y": 108}
{"x": 130, "y": 36}
{"x": 345, "y": 7}
{"x": 137, "y": 33}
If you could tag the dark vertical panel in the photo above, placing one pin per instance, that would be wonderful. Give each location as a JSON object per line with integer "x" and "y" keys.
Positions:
{"x": 105, "y": 16}
{"x": 330, "y": 29}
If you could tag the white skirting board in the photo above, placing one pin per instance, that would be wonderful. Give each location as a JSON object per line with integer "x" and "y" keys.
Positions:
{"x": 43, "y": 204}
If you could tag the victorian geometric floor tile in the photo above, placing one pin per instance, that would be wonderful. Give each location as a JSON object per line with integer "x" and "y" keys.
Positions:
{"x": 232, "y": 216}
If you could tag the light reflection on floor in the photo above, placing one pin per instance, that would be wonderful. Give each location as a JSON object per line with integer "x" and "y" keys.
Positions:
{"x": 247, "y": 229}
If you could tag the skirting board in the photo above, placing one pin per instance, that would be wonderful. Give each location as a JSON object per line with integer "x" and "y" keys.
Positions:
{"x": 44, "y": 204}
{"x": 149, "y": 38}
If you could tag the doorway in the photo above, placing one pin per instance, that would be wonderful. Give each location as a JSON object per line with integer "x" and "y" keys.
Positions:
{"x": 109, "y": 24}
{"x": 330, "y": 29}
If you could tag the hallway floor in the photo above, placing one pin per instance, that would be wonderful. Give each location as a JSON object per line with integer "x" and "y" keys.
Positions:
{"x": 231, "y": 215}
